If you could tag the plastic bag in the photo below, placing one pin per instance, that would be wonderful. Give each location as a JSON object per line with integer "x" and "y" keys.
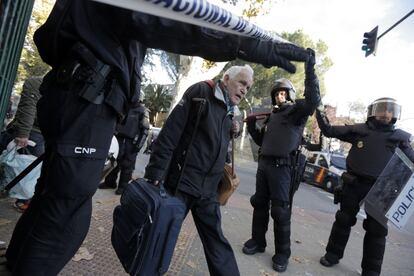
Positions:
{"x": 11, "y": 164}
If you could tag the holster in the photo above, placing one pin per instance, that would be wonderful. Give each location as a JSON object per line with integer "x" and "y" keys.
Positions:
{"x": 83, "y": 67}
{"x": 347, "y": 179}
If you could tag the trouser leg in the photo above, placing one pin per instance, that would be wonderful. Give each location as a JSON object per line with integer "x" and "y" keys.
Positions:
{"x": 127, "y": 164}
{"x": 261, "y": 206}
{"x": 345, "y": 218}
{"x": 279, "y": 178}
{"x": 219, "y": 254}
{"x": 25, "y": 221}
{"x": 111, "y": 178}
{"x": 374, "y": 245}
{"x": 281, "y": 220}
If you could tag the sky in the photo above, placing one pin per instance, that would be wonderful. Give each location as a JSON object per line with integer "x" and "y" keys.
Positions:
{"x": 341, "y": 24}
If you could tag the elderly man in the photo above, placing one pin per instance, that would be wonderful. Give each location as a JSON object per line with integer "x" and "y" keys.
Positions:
{"x": 196, "y": 183}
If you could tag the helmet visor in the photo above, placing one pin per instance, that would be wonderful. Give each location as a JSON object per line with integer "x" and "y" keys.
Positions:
{"x": 384, "y": 109}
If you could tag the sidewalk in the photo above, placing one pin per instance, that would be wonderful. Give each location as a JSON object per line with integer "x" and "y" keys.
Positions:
{"x": 310, "y": 231}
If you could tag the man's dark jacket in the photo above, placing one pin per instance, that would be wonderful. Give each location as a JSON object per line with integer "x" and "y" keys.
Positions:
{"x": 120, "y": 37}
{"x": 207, "y": 154}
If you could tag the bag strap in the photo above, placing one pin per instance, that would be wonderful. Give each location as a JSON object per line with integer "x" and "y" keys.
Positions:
{"x": 25, "y": 172}
{"x": 210, "y": 83}
{"x": 232, "y": 155}
{"x": 201, "y": 102}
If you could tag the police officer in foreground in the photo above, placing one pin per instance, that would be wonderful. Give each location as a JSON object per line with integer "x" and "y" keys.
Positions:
{"x": 373, "y": 144}
{"x": 96, "y": 52}
{"x": 131, "y": 135}
{"x": 279, "y": 139}
{"x": 191, "y": 159}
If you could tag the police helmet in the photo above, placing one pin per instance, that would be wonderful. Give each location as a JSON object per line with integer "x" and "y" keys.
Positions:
{"x": 379, "y": 106}
{"x": 283, "y": 85}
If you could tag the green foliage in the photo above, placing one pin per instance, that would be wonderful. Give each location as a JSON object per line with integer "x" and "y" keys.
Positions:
{"x": 158, "y": 98}
{"x": 30, "y": 62}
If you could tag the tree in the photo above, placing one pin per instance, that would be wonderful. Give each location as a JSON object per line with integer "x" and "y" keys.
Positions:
{"x": 30, "y": 62}
{"x": 158, "y": 99}
{"x": 357, "y": 108}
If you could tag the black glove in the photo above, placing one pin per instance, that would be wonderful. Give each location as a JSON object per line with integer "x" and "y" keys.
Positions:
{"x": 310, "y": 63}
{"x": 270, "y": 53}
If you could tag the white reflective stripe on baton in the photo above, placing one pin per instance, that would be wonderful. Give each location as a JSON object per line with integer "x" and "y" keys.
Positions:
{"x": 197, "y": 12}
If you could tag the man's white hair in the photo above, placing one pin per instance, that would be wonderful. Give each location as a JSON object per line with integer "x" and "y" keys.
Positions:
{"x": 233, "y": 71}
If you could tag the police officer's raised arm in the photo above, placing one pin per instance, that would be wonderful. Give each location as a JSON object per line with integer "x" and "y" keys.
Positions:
{"x": 188, "y": 39}
{"x": 341, "y": 132}
{"x": 305, "y": 108}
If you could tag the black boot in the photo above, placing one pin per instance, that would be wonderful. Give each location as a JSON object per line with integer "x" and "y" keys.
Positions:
{"x": 251, "y": 247}
{"x": 110, "y": 179}
{"x": 280, "y": 262}
{"x": 329, "y": 260}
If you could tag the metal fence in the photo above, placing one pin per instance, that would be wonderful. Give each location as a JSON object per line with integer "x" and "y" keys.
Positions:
{"x": 14, "y": 20}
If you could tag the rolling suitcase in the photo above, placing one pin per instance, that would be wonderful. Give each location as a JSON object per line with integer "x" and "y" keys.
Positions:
{"x": 146, "y": 228}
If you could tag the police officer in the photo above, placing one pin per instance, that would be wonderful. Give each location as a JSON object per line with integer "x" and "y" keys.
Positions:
{"x": 196, "y": 167}
{"x": 279, "y": 139}
{"x": 96, "y": 52}
{"x": 373, "y": 144}
{"x": 131, "y": 136}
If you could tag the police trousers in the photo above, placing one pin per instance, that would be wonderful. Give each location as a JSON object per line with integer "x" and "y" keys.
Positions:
{"x": 125, "y": 163}
{"x": 272, "y": 193}
{"x": 345, "y": 218}
{"x": 207, "y": 218}
{"x": 77, "y": 137}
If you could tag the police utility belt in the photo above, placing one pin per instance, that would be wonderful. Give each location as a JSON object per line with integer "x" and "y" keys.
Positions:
{"x": 278, "y": 161}
{"x": 82, "y": 66}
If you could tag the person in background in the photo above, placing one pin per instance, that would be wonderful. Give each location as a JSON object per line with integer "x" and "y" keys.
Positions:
{"x": 24, "y": 128}
{"x": 279, "y": 138}
{"x": 373, "y": 144}
{"x": 131, "y": 136}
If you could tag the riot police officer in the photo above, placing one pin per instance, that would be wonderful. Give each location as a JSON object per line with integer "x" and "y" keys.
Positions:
{"x": 279, "y": 139}
{"x": 131, "y": 136}
{"x": 96, "y": 51}
{"x": 373, "y": 144}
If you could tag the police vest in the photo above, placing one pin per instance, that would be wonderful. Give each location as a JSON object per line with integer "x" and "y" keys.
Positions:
{"x": 372, "y": 149}
{"x": 282, "y": 136}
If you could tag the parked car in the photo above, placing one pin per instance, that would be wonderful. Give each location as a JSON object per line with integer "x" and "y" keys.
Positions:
{"x": 324, "y": 169}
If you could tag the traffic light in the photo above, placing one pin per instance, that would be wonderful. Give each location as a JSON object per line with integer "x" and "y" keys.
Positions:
{"x": 370, "y": 42}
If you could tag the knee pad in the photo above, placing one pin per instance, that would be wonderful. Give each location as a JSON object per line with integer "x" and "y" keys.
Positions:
{"x": 345, "y": 219}
{"x": 374, "y": 228}
{"x": 280, "y": 214}
{"x": 259, "y": 202}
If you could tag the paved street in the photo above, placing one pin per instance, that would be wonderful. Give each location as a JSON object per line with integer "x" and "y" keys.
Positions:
{"x": 313, "y": 215}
